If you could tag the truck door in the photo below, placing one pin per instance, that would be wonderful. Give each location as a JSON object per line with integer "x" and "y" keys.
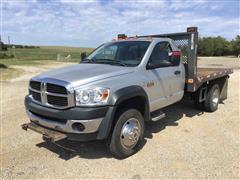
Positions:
{"x": 166, "y": 77}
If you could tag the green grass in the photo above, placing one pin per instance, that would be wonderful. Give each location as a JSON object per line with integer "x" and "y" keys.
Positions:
{"x": 10, "y": 62}
{"x": 49, "y": 52}
{"x": 38, "y": 56}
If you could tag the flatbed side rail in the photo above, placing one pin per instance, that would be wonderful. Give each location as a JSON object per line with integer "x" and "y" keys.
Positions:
{"x": 208, "y": 74}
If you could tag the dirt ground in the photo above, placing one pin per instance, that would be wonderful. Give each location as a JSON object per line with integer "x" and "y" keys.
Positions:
{"x": 187, "y": 143}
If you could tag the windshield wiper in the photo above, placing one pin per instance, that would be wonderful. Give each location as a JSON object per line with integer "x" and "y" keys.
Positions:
{"x": 109, "y": 61}
{"x": 87, "y": 61}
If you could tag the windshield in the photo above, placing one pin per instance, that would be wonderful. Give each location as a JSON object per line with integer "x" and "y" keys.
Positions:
{"x": 124, "y": 53}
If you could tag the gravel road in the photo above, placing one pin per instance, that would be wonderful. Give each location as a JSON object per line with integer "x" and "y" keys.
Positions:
{"x": 186, "y": 144}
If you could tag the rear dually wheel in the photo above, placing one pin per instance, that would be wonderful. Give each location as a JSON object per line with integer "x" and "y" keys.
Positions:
{"x": 212, "y": 99}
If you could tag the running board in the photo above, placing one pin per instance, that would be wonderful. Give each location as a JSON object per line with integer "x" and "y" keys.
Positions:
{"x": 158, "y": 116}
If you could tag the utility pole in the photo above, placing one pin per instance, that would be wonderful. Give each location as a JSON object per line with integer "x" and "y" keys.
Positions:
{"x": 8, "y": 40}
{"x": 9, "y": 45}
{"x": 1, "y": 44}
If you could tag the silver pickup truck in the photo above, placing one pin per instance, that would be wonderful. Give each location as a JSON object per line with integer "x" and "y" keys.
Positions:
{"x": 119, "y": 87}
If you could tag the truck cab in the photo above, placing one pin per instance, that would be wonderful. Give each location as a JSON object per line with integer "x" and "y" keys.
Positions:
{"x": 115, "y": 90}
{"x": 155, "y": 65}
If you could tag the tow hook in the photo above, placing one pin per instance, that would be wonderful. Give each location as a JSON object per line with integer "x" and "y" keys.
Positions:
{"x": 48, "y": 135}
{"x": 24, "y": 127}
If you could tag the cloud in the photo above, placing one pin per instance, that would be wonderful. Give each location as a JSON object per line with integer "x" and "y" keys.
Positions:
{"x": 89, "y": 23}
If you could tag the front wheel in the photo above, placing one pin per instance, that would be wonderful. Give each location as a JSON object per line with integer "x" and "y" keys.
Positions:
{"x": 128, "y": 134}
{"x": 212, "y": 99}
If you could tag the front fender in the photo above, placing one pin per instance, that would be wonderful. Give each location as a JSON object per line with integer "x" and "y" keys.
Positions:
{"x": 127, "y": 93}
{"x": 117, "y": 98}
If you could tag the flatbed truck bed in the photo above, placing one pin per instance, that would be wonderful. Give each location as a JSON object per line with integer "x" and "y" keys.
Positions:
{"x": 208, "y": 74}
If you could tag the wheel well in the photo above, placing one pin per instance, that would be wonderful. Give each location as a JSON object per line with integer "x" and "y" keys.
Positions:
{"x": 137, "y": 102}
{"x": 206, "y": 86}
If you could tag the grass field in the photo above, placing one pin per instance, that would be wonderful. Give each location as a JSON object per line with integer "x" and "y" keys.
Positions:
{"x": 25, "y": 56}
{"x": 36, "y": 56}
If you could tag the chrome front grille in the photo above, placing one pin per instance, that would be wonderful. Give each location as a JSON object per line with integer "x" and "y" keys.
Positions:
{"x": 35, "y": 85}
{"x": 52, "y": 95}
{"x": 35, "y": 95}
{"x": 53, "y": 88}
{"x": 58, "y": 101}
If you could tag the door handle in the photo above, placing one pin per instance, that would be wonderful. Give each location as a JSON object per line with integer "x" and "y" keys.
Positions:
{"x": 177, "y": 72}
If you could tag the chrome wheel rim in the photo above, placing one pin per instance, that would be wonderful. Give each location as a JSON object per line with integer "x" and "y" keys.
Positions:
{"x": 215, "y": 98}
{"x": 130, "y": 133}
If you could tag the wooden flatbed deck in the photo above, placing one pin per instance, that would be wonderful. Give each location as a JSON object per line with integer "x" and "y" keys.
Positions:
{"x": 206, "y": 74}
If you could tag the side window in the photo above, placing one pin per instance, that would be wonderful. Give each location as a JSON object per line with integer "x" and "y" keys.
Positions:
{"x": 160, "y": 55}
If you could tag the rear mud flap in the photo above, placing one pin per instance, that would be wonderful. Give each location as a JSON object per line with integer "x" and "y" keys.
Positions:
{"x": 48, "y": 135}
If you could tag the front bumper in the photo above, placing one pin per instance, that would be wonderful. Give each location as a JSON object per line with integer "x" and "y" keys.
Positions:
{"x": 96, "y": 121}
{"x": 88, "y": 126}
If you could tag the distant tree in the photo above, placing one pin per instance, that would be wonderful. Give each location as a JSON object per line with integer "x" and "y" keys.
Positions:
{"x": 220, "y": 46}
{"x": 205, "y": 46}
{"x": 3, "y": 47}
{"x": 234, "y": 46}
{"x": 213, "y": 46}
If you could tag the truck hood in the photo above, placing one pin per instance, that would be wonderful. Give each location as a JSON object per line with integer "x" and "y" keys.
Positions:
{"x": 81, "y": 74}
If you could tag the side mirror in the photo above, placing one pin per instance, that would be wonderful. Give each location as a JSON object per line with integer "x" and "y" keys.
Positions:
{"x": 83, "y": 55}
{"x": 162, "y": 63}
{"x": 151, "y": 65}
{"x": 175, "y": 57}
{"x": 174, "y": 54}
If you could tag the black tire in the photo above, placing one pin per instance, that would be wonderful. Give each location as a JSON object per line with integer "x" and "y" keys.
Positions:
{"x": 116, "y": 146}
{"x": 197, "y": 104}
{"x": 210, "y": 105}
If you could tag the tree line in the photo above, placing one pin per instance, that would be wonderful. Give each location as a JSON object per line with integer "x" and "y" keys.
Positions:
{"x": 218, "y": 46}
{"x": 207, "y": 46}
{"x": 4, "y": 47}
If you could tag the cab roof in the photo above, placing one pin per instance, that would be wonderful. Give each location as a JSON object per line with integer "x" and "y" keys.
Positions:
{"x": 149, "y": 39}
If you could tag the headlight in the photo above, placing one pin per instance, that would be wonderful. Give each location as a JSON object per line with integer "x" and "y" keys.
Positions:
{"x": 91, "y": 96}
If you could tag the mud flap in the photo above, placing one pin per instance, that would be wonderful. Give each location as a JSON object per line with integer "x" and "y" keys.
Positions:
{"x": 224, "y": 88}
{"x": 48, "y": 135}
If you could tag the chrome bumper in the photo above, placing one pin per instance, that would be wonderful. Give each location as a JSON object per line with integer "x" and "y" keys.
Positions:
{"x": 91, "y": 126}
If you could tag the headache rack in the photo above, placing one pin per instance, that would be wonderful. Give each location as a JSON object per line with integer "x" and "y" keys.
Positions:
{"x": 187, "y": 42}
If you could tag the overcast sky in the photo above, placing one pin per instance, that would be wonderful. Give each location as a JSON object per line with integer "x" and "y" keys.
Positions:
{"x": 90, "y": 23}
